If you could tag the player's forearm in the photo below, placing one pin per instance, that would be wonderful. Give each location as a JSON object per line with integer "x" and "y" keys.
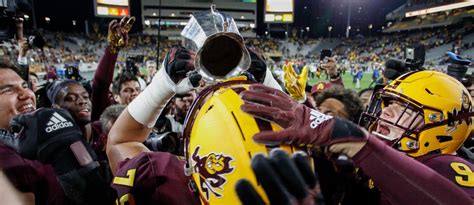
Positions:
{"x": 101, "y": 83}
{"x": 403, "y": 180}
{"x": 125, "y": 139}
{"x": 105, "y": 68}
{"x": 134, "y": 124}
{"x": 148, "y": 105}
{"x": 127, "y": 129}
{"x": 119, "y": 152}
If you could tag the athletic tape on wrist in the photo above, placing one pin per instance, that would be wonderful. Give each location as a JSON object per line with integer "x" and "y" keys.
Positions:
{"x": 148, "y": 105}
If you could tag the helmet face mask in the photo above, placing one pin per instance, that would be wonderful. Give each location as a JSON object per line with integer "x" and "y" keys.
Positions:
{"x": 434, "y": 113}
{"x": 404, "y": 121}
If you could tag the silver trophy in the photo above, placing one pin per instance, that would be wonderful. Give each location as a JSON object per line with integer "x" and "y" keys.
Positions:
{"x": 221, "y": 52}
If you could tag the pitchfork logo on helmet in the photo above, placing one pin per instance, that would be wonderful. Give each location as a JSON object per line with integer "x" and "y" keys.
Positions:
{"x": 211, "y": 169}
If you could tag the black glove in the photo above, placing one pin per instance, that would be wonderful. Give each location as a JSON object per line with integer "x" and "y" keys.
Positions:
{"x": 49, "y": 134}
{"x": 258, "y": 67}
{"x": 165, "y": 142}
{"x": 285, "y": 180}
{"x": 178, "y": 62}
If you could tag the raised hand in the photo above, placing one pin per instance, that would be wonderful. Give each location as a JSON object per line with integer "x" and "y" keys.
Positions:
{"x": 178, "y": 63}
{"x": 118, "y": 33}
{"x": 301, "y": 124}
{"x": 295, "y": 84}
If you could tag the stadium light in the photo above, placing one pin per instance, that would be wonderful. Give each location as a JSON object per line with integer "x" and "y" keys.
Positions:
{"x": 348, "y": 30}
{"x": 329, "y": 29}
{"x": 370, "y": 28}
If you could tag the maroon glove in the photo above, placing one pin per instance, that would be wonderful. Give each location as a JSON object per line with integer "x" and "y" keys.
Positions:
{"x": 301, "y": 124}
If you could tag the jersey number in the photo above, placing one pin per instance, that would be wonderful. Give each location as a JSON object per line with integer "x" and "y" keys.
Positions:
{"x": 126, "y": 199}
{"x": 126, "y": 181}
{"x": 466, "y": 176}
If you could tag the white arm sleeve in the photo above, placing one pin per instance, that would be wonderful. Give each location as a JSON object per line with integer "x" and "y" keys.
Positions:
{"x": 148, "y": 105}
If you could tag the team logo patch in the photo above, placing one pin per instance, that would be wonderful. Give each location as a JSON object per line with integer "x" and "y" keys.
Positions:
{"x": 57, "y": 122}
{"x": 211, "y": 169}
{"x": 317, "y": 118}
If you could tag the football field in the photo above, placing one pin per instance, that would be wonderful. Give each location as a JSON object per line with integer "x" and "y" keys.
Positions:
{"x": 347, "y": 79}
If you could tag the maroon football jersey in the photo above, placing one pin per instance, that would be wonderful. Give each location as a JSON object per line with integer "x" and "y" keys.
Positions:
{"x": 153, "y": 178}
{"x": 454, "y": 168}
{"x": 31, "y": 176}
{"x": 404, "y": 180}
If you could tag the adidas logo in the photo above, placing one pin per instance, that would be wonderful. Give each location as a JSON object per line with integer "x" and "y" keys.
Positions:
{"x": 316, "y": 118}
{"x": 57, "y": 122}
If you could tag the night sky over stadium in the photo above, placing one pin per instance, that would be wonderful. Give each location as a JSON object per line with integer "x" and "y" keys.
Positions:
{"x": 320, "y": 14}
{"x": 316, "y": 14}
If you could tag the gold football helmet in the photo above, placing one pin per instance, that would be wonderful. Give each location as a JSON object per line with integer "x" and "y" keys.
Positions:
{"x": 443, "y": 104}
{"x": 219, "y": 145}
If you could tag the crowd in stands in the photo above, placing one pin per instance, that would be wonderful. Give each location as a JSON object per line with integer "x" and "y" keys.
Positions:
{"x": 62, "y": 49}
{"x": 381, "y": 48}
